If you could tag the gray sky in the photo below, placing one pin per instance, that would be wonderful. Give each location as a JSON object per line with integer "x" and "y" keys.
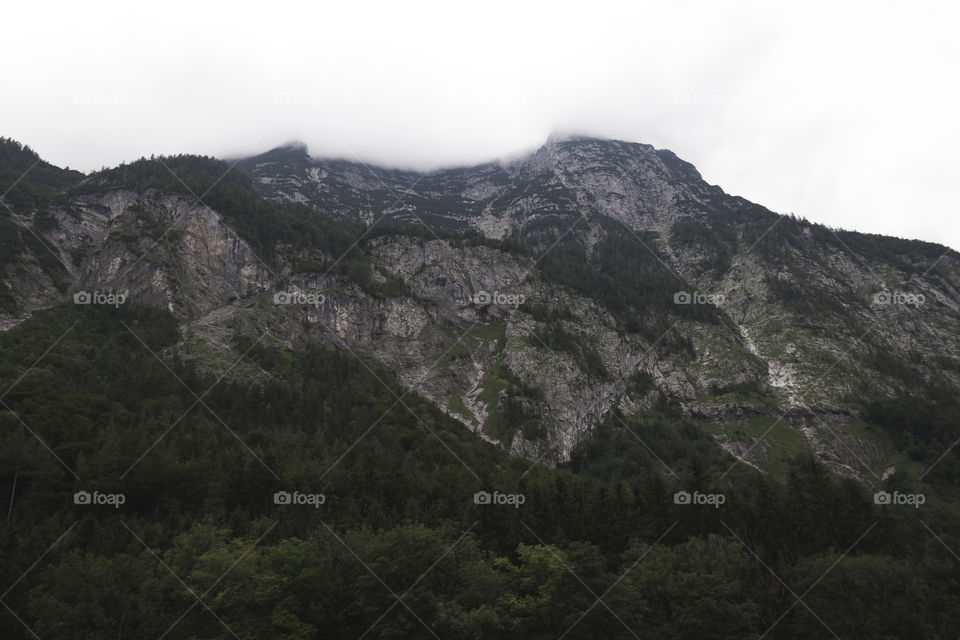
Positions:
{"x": 846, "y": 115}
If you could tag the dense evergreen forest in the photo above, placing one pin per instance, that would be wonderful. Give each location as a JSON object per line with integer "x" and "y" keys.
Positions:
{"x": 400, "y": 548}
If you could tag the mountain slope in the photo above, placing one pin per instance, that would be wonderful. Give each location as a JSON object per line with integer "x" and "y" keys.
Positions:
{"x": 811, "y": 303}
{"x": 562, "y": 305}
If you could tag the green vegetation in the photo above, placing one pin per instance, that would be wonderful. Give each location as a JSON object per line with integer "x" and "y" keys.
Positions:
{"x": 457, "y": 238}
{"x": 399, "y": 498}
{"x": 714, "y": 236}
{"x": 16, "y": 241}
{"x": 28, "y": 182}
{"x": 627, "y": 275}
{"x": 776, "y": 238}
{"x": 512, "y": 406}
{"x": 803, "y": 296}
{"x": 455, "y": 404}
{"x": 546, "y": 313}
{"x": 554, "y": 337}
{"x": 923, "y": 426}
{"x": 754, "y": 390}
{"x": 778, "y": 444}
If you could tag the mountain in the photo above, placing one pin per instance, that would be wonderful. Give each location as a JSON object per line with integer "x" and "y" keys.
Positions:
{"x": 592, "y": 327}
{"x": 581, "y": 249}
{"x": 634, "y": 183}
{"x": 804, "y": 324}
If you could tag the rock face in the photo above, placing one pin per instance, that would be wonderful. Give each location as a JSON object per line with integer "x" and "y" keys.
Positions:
{"x": 632, "y": 183}
{"x": 160, "y": 249}
{"x": 602, "y": 278}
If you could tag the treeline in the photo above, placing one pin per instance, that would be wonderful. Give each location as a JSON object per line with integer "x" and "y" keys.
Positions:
{"x": 28, "y": 183}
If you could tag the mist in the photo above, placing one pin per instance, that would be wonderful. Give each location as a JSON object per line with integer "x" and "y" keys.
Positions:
{"x": 843, "y": 115}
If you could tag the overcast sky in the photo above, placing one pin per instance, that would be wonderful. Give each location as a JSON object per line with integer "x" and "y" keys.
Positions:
{"x": 847, "y": 115}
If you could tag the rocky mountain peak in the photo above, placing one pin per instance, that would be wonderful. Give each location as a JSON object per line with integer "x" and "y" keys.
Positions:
{"x": 625, "y": 281}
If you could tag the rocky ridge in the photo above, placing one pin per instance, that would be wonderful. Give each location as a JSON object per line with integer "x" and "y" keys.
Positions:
{"x": 803, "y": 317}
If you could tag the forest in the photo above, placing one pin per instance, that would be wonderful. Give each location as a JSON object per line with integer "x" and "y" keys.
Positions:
{"x": 399, "y": 548}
